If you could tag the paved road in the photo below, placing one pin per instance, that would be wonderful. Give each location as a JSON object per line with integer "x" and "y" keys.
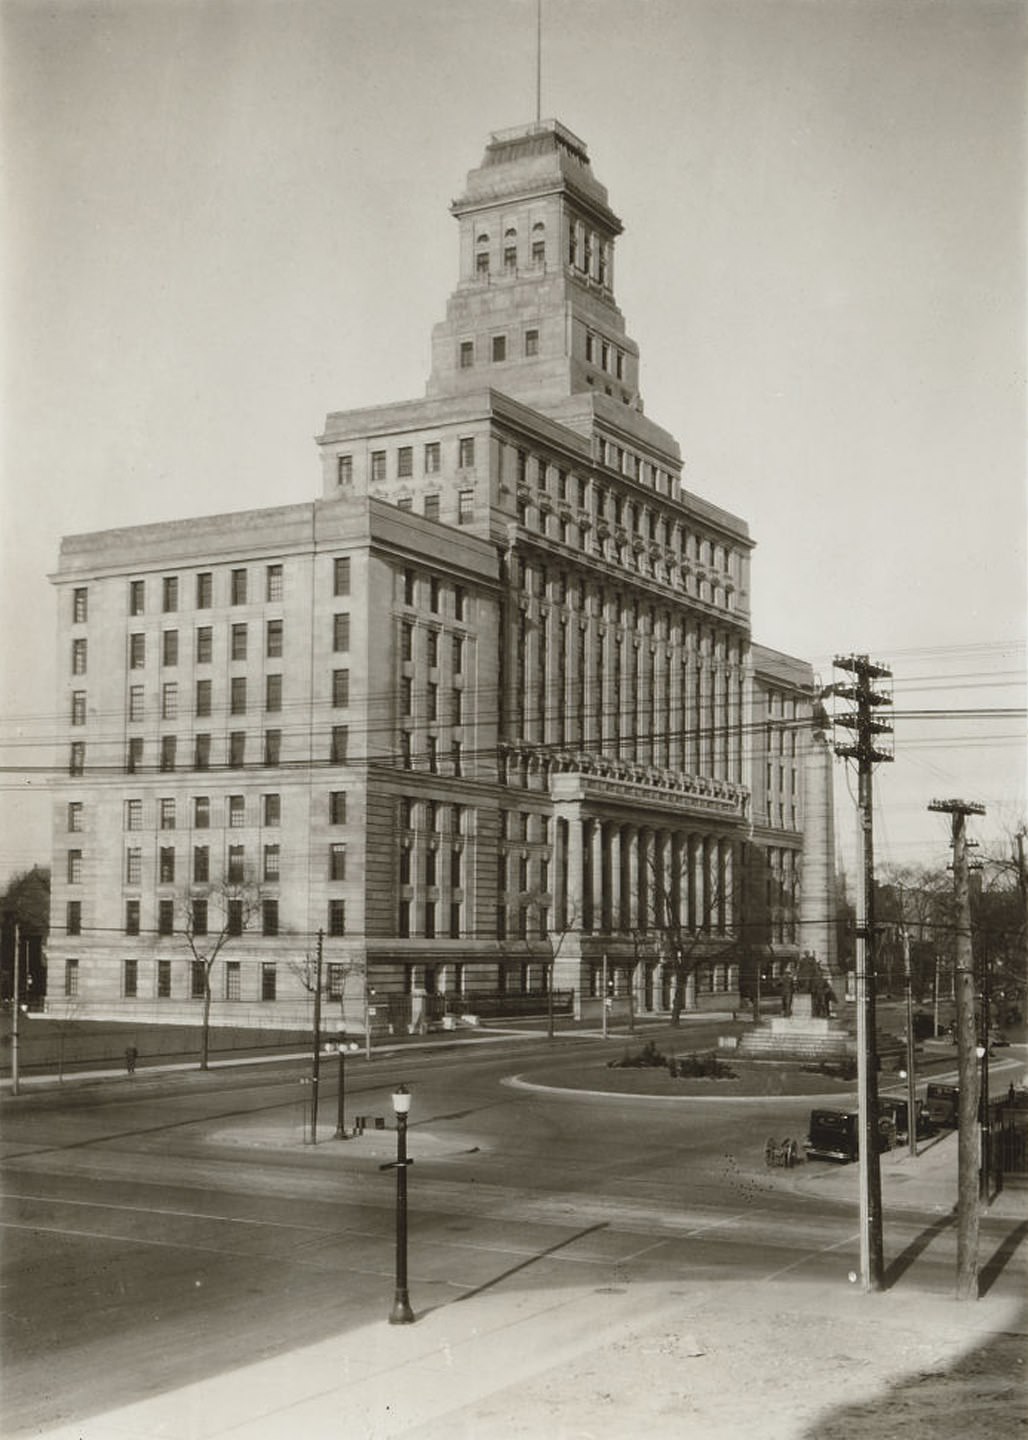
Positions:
{"x": 163, "y": 1229}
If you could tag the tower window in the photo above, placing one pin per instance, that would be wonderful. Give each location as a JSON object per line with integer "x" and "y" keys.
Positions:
{"x": 466, "y": 455}
{"x": 482, "y": 263}
{"x": 531, "y": 342}
{"x": 344, "y": 469}
{"x": 499, "y": 348}
{"x": 405, "y": 461}
{"x": 467, "y": 354}
{"x": 510, "y": 258}
{"x": 378, "y": 464}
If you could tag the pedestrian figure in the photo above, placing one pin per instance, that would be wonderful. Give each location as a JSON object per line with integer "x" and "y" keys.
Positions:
{"x": 787, "y": 987}
{"x": 131, "y": 1056}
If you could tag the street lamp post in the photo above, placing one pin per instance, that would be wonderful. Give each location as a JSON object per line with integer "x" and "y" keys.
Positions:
{"x": 401, "y": 1313}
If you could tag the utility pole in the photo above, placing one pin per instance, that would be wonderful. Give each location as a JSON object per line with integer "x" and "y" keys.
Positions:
{"x": 863, "y": 749}
{"x": 968, "y": 1142}
{"x": 16, "y": 1009}
{"x": 911, "y": 1076}
{"x": 316, "y": 1066}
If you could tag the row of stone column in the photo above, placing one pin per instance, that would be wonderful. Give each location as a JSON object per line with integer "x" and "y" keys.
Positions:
{"x": 615, "y": 877}
{"x": 582, "y": 682}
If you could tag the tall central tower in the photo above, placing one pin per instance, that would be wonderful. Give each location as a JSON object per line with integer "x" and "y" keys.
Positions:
{"x": 534, "y": 306}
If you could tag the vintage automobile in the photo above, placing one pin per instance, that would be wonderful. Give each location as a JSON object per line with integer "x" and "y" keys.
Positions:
{"x": 896, "y": 1109}
{"x": 835, "y": 1134}
{"x": 942, "y": 1106}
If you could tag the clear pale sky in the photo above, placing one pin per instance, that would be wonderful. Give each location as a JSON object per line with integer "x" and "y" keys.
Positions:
{"x": 226, "y": 219}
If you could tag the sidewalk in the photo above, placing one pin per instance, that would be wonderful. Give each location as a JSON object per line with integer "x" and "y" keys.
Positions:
{"x": 610, "y": 1363}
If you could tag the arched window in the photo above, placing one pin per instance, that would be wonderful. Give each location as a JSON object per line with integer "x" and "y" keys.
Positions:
{"x": 539, "y": 243}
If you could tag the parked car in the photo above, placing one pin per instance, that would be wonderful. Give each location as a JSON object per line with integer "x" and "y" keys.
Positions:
{"x": 943, "y": 1101}
{"x": 835, "y": 1134}
{"x": 898, "y": 1111}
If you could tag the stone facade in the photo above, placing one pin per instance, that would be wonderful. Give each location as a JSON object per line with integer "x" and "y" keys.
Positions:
{"x": 489, "y": 702}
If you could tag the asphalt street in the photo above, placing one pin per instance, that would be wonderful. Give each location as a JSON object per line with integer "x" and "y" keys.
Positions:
{"x": 169, "y": 1228}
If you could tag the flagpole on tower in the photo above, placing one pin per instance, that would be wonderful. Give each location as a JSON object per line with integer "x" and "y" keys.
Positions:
{"x": 538, "y": 61}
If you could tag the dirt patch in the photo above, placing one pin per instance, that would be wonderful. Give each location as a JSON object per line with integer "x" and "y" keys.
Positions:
{"x": 752, "y": 1078}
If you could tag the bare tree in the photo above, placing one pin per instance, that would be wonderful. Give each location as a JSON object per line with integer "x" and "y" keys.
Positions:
{"x": 231, "y": 906}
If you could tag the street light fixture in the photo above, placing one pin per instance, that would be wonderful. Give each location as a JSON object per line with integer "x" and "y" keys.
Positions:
{"x": 401, "y": 1313}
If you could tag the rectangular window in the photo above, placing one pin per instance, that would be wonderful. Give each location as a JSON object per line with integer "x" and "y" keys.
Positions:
{"x": 456, "y": 707}
{"x": 539, "y": 252}
{"x": 337, "y": 807}
{"x": 134, "y": 756}
{"x": 133, "y": 866}
{"x": 80, "y": 605}
{"x": 78, "y": 656}
{"x": 77, "y": 758}
{"x": 272, "y": 747}
{"x": 340, "y": 687}
{"x": 169, "y": 748}
{"x": 204, "y": 590}
{"x": 432, "y": 648}
{"x": 78, "y": 707}
{"x": 237, "y": 700}
{"x": 467, "y": 353}
{"x": 73, "y": 917}
{"x": 239, "y": 642}
{"x": 202, "y": 752}
{"x": 403, "y": 920}
{"x": 166, "y": 865}
{"x": 268, "y": 981}
{"x": 431, "y": 507}
{"x": 499, "y": 348}
{"x": 169, "y": 594}
{"x": 531, "y": 342}
{"x": 130, "y": 979}
{"x": 269, "y": 917}
{"x": 432, "y": 751}
{"x": 510, "y": 259}
{"x": 273, "y": 693}
{"x": 203, "y": 697}
{"x": 405, "y": 462}
{"x": 165, "y": 917}
{"x": 406, "y": 695}
{"x": 201, "y": 864}
{"x": 432, "y": 457}
{"x": 236, "y": 864}
{"x": 406, "y": 753}
{"x": 271, "y": 806}
{"x": 131, "y": 917}
{"x": 75, "y": 815}
{"x": 405, "y": 865}
{"x": 405, "y": 503}
{"x": 406, "y": 640}
{"x": 202, "y": 812}
{"x": 344, "y": 469}
{"x": 137, "y": 651}
{"x": 432, "y": 697}
{"x": 234, "y": 918}
{"x": 237, "y": 587}
{"x": 341, "y": 632}
{"x": 164, "y": 979}
{"x": 457, "y": 757}
{"x": 233, "y": 987}
{"x": 71, "y": 977}
{"x": 337, "y": 862}
{"x": 169, "y": 701}
{"x": 430, "y": 919}
{"x": 337, "y": 917}
{"x": 273, "y": 640}
{"x": 204, "y": 645}
{"x": 236, "y": 749}
{"x": 273, "y": 582}
{"x": 137, "y": 597}
{"x": 166, "y": 811}
{"x": 197, "y": 972}
{"x": 378, "y": 464}
{"x": 465, "y": 506}
{"x": 272, "y": 860}
{"x": 341, "y": 575}
{"x": 410, "y": 590}
{"x": 340, "y": 740}
{"x": 236, "y": 811}
{"x": 466, "y": 451}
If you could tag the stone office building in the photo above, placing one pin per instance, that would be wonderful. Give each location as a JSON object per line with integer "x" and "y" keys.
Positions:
{"x": 490, "y": 702}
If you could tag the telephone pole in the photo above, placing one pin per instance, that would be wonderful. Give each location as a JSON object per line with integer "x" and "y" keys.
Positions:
{"x": 862, "y": 722}
{"x": 316, "y": 1062}
{"x": 968, "y": 1140}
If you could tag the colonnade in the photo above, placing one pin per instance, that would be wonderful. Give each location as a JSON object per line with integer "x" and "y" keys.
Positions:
{"x": 617, "y": 877}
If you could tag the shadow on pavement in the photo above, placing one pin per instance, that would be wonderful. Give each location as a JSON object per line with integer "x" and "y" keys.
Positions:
{"x": 983, "y": 1393}
{"x": 997, "y": 1262}
{"x": 917, "y": 1246}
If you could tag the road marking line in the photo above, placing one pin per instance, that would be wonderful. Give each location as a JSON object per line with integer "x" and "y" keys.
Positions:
{"x": 824, "y": 1250}
{"x": 718, "y": 1224}
{"x": 179, "y": 1214}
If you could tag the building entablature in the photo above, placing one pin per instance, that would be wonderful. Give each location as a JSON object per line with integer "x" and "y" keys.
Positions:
{"x": 595, "y": 780}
